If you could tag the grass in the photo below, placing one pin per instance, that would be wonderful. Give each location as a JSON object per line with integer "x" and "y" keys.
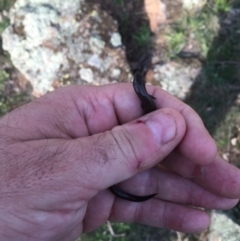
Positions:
{"x": 215, "y": 89}
{"x": 4, "y": 24}
{"x": 222, "y": 5}
{"x": 202, "y": 27}
{"x": 143, "y": 37}
{"x": 176, "y": 41}
{"x": 129, "y": 232}
{"x": 5, "y": 5}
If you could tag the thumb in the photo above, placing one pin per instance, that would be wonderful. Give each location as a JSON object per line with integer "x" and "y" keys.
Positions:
{"x": 114, "y": 156}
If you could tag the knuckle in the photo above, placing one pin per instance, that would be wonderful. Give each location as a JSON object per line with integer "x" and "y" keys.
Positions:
{"x": 126, "y": 149}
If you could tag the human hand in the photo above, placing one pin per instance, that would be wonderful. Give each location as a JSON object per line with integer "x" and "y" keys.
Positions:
{"x": 60, "y": 153}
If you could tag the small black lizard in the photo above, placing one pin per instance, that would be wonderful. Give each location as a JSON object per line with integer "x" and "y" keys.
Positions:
{"x": 148, "y": 105}
{"x": 147, "y": 101}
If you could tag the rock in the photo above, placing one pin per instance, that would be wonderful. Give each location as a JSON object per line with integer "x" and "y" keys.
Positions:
{"x": 95, "y": 61}
{"x": 50, "y": 40}
{"x": 116, "y": 73}
{"x": 86, "y": 74}
{"x": 172, "y": 9}
{"x": 223, "y": 228}
{"x": 176, "y": 78}
{"x": 116, "y": 40}
{"x": 193, "y": 5}
{"x": 96, "y": 44}
{"x": 37, "y": 28}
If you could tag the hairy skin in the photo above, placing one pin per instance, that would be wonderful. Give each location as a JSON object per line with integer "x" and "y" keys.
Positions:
{"x": 60, "y": 154}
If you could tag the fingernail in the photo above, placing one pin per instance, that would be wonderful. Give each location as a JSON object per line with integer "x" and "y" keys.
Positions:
{"x": 163, "y": 127}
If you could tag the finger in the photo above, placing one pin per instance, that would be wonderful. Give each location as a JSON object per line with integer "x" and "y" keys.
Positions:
{"x": 170, "y": 188}
{"x": 158, "y": 213}
{"x": 71, "y": 112}
{"x": 173, "y": 188}
{"x": 197, "y": 145}
{"x": 219, "y": 176}
{"x": 98, "y": 211}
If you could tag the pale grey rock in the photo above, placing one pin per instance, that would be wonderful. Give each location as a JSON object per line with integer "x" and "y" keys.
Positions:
{"x": 47, "y": 42}
{"x": 116, "y": 73}
{"x": 75, "y": 48}
{"x": 95, "y": 61}
{"x": 223, "y": 228}
{"x": 193, "y": 5}
{"x": 86, "y": 74}
{"x": 37, "y": 28}
{"x": 116, "y": 40}
{"x": 176, "y": 78}
{"x": 96, "y": 44}
{"x": 96, "y": 16}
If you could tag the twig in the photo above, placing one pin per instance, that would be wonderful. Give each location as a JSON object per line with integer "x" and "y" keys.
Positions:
{"x": 179, "y": 238}
{"x": 112, "y": 231}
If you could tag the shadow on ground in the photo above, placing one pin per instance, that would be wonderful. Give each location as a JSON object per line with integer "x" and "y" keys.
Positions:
{"x": 133, "y": 25}
{"x": 217, "y": 87}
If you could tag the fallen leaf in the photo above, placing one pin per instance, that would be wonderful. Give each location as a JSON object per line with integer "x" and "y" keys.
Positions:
{"x": 234, "y": 141}
{"x": 149, "y": 76}
{"x": 154, "y": 10}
